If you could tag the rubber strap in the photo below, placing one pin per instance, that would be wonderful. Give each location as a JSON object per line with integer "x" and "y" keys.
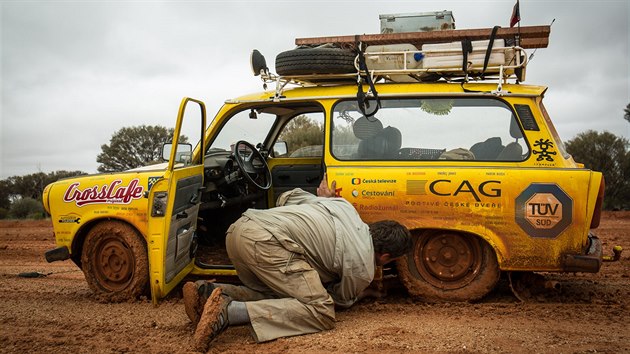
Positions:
{"x": 466, "y": 48}
{"x": 362, "y": 99}
{"x": 493, "y": 34}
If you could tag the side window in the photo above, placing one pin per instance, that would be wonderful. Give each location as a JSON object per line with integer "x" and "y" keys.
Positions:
{"x": 429, "y": 129}
{"x": 303, "y": 136}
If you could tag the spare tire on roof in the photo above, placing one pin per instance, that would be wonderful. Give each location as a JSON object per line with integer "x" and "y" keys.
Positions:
{"x": 310, "y": 61}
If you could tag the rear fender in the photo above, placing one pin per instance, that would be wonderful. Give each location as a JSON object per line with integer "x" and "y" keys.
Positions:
{"x": 493, "y": 240}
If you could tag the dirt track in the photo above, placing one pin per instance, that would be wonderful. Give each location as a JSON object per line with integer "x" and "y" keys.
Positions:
{"x": 57, "y": 313}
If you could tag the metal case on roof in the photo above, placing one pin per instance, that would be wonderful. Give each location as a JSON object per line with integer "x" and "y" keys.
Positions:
{"x": 417, "y": 22}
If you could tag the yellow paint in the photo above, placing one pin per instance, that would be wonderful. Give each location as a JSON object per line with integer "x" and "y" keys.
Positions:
{"x": 476, "y": 198}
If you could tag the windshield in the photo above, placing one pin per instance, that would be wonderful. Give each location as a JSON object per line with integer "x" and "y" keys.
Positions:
{"x": 242, "y": 126}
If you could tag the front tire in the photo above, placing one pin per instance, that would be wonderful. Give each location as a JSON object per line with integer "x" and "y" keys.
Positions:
{"x": 115, "y": 262}
{"x": 449, "y": 266}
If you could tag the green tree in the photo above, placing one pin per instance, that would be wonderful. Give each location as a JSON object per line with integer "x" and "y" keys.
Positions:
{"x": 609, "y": 154}
{"x": 626, "y": 113}
{"x": 30, "y": 186}
{"x": 301, "y": 131}
{"x": 23, "y": 189}
{"x": 5, "y": 193}
{"x": 26, "y": 208}
{"x": 133, "y": 147}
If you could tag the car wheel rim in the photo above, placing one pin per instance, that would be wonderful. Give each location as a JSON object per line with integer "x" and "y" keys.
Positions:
{"x": 114, "y": 264}
{"x": 448, "y": 260}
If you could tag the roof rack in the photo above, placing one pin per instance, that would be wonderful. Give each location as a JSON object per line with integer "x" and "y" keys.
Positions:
{"x": 440, "y": 52}
{"x": 528, "y": 37}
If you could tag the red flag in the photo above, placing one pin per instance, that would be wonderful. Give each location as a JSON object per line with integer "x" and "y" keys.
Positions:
{"x": 516, "y": 15}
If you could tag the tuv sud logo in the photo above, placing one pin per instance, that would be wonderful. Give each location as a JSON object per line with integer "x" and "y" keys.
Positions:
{"x": 112, "y": 193}
{"x": 544, "y": 210}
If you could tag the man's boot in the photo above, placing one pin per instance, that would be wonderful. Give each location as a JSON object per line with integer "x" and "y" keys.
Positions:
{"x": 195, "y": 296}
{"x": 213, "y": 321}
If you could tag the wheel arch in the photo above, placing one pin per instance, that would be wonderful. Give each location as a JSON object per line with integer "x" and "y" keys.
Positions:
{"x": 492, "y": 239}
{"x": 84, "y": 230}
{"x": 475, "y": 273}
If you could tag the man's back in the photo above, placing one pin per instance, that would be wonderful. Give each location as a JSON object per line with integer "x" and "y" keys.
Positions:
{"x": 330, "y": 234}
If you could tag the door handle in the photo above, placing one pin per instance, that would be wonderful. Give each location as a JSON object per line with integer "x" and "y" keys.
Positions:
{"x": 182, "y": 215}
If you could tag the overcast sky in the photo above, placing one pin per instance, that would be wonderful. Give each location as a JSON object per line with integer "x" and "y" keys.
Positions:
{"x": 75, "y": 72}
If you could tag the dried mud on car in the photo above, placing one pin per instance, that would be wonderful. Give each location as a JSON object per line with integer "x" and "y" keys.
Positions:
{"x": 57, "y": 312}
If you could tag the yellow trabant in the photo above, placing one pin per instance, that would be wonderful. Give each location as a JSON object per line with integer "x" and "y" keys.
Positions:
{"x": 482, "y": 180}
{"x": 476, "y": 172}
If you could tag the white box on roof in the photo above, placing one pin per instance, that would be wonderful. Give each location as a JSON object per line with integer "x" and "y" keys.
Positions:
{"x": 417, "y": 22}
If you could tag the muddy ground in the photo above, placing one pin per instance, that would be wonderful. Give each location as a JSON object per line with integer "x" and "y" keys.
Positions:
{"x": 589, "y": 313}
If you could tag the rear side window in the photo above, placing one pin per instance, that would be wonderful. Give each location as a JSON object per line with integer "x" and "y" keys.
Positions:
{"x": 476, "y": 129}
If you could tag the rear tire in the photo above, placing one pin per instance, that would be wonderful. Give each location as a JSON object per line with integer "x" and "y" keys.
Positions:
{"x": 449, "y": 266}
{"x": 115, "y": 262}
{"x": 311, "y": 61}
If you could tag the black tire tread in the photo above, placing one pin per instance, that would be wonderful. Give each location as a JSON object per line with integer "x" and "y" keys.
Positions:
{"x": 311, "y": 61}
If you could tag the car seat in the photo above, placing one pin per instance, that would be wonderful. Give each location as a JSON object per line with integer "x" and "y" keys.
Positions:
{"x": 384, "y": 144}
{"x": 487, "y": 150}
{"x": 513, "y": 151}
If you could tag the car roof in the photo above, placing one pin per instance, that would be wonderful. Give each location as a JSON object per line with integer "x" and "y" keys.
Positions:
{"x": 395, "y": 89}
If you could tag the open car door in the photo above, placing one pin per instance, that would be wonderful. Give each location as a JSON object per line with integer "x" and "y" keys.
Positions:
{"x": 174, "y": 202}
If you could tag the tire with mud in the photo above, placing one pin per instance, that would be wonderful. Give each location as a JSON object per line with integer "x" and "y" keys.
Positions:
{"x": 115, "y": 262}
{"x": 310, "y": 61}
{"x": 449, "y": 266}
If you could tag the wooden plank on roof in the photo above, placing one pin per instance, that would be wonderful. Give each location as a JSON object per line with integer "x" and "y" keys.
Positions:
{"x": 531, "y": 37}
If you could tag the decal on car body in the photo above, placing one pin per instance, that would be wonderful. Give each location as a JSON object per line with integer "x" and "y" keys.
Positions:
{"x": 544, "y": 210}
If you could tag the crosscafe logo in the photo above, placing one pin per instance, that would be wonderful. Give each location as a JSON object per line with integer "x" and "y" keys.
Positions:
{"x": 112, "y": 193}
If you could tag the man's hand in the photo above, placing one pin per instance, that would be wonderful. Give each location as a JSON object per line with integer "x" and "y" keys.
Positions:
{"x": 324, "y": 191}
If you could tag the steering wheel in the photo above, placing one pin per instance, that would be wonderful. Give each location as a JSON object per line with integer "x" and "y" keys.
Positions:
{"x": 252, "y": 164}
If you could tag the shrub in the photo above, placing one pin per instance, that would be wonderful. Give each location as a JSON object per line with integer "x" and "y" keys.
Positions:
{"x": 25, "y": 207}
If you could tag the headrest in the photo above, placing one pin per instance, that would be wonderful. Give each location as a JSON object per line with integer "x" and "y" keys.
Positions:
{"x": 384, "y": 144}
{"x": 515, "y": 130}
{"x": 487, "y": 150}
{"x": 365, "y": 128}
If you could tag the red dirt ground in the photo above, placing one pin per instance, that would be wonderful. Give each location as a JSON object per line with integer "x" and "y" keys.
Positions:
{"x": 58, "y": 313}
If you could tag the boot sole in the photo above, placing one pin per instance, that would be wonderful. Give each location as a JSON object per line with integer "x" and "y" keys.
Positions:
{"x": 192, "y": 303}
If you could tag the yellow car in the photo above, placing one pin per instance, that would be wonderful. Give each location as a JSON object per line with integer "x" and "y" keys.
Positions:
{"x": 476, "y": 171}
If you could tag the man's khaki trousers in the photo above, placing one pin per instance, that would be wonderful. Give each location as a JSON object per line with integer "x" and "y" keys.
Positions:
{"x": 283, "y": 293}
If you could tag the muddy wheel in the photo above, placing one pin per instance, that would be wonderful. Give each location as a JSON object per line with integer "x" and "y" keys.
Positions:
{"x": 449, "y": 266}
{"x": 115, "y": 261}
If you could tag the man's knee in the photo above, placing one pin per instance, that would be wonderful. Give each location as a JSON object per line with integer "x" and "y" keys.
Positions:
{"x": 325, "y": 312}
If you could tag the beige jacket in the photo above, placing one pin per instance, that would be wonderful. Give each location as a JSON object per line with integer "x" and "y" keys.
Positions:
{"x": 330, "y": 234}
